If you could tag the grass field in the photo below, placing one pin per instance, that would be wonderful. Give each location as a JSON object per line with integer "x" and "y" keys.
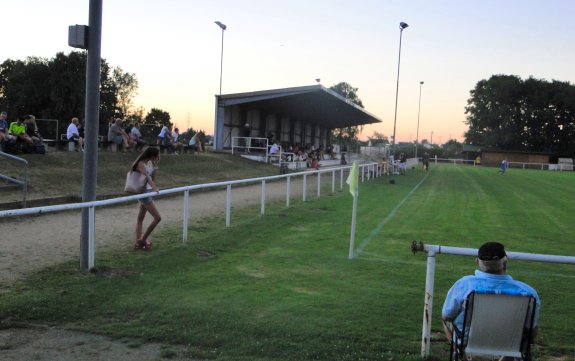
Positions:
{"x": 280, "y": 287}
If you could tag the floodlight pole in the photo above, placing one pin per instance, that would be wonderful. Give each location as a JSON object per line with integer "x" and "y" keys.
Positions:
{"x": 92, "y": 115}
{"x": 402, "y": 26}
{"x": 418, "y": 112}
{"x": 223, "y": 27}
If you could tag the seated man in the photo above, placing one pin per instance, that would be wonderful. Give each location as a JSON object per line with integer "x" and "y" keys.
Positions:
{"x": 73, "y": 135}
{"x": 491, "y": 276}
{"x": 165, "y": 137}
{"x": 117, "y": 135}
{"x": 136, "y": 136}
{"x": 176, "y": 144}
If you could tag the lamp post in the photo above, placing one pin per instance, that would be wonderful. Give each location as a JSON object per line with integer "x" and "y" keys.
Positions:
{"x": 402, "y": 26}
{"x": 223, "y": 27}
{"x": 418, "y": 112}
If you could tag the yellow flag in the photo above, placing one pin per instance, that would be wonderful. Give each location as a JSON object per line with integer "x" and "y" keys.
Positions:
{"x": 352, "y": 178}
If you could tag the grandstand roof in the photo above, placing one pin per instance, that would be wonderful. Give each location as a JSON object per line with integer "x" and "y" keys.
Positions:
{"x": 314, "y": 104}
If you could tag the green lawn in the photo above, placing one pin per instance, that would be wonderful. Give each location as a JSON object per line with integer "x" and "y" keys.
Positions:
{"x": 280, "y": 287}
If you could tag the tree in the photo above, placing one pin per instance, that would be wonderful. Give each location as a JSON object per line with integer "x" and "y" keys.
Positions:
{"x": 126, "y": 88}
{"x": 347, "y": 135}
{"x": 55, "y": 88}
{"x": 508, "y": 113}
{"x": 378, "y": 137}
{"x": 153, "y": 123}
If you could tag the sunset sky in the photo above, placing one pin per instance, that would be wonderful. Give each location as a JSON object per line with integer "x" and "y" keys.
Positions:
{"x": 173, "y": 47}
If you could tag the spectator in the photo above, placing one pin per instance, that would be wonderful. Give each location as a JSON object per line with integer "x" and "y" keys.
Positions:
{"x": 402, "y": 163}
{"x": 426, "y": 161}
{"x": 165, "y": 137}
{"x": 32, "y": 129}
{"x": 177, "y": 145}
{"x": 196, "y": 143}
{"x": 72, "y": 134}
{"x": 274, "y": 149}
{"x": 18, "y": 131}
{"x": 3, "y": 129}
{"x": 117, "y": 135}
{"x": 491, "y": 276}
{"x": 136, "y": 136}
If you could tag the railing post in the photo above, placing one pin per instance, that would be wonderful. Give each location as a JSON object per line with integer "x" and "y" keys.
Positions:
{"x": 288, "y": 191}
{"x": 304, "y": 186}
{"x": 362, "y": 171}
{"x": 341, "y": 179}
{"x": 428, "y": 307}
{"x": 318, "y": 184}
{"x": 25, "y": 185}
{"x": 91, "y": 234}
{"x": 228, "y": 204}
{"x": 186, "y": 216}
{"x": 263, "y": 205}
{"x": 333, "y": 181}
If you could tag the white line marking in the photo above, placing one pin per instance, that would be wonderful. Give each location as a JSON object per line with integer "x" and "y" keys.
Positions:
{"x": 391, "y": 214}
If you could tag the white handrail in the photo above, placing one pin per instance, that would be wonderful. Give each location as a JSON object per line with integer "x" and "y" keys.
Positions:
{"x": 185, "y": 190}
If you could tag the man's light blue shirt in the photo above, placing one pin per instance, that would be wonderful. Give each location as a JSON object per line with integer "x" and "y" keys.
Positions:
{"x": 483, "y": 283}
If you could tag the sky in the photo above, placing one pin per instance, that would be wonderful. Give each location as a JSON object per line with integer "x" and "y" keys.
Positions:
{"x": 174, "y": 49}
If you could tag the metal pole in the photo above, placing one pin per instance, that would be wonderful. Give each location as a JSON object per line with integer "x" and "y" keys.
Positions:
{"x": 288, "y": 191}
{"x": 228, "y": 204}
{"x": 401, "y": 27}
{"x": 186, "y": 216}
{"x": 92, "y": 114}
{"x": 418, "y": 112}
{"x": 263, "y": 205}
{"x": 222, "y": 61}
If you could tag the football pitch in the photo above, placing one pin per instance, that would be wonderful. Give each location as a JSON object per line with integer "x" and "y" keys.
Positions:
{"x": 280, "y": 286}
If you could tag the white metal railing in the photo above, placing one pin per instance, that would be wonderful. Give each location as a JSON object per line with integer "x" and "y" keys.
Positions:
{"x": 433, "y": 250}
{"x": 453, "y": 161}
{"x": 250, "y": 143}
{"x": 186, "y": 191}
{"x": 22, "y": 183}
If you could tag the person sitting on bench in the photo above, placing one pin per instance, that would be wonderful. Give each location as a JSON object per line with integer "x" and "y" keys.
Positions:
{"x": 72, "y": 133}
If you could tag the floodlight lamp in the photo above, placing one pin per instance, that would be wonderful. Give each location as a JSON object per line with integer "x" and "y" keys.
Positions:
{"x": 402, "y": 25}
{"x": 420, "y": 83}
{"x": 223, "y": 26}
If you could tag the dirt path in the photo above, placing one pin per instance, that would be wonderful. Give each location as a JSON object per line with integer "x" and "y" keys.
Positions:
{"x": 39, "y": 241}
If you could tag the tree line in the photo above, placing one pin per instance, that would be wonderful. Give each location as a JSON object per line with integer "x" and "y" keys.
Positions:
{"x": 508, "y": 113}
{"x": 56, "y": 89}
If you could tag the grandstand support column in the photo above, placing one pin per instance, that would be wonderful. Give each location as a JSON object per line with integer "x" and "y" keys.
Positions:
{"x": 92, "y": 114}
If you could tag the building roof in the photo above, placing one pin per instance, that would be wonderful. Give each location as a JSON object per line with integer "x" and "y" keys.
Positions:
{"x": 311, "y": 104}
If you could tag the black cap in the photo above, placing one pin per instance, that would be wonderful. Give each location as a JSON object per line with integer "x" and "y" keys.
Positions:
{"x": 491, "y": 251}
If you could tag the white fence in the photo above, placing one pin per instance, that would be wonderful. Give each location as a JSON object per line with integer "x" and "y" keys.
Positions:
{"x": 433, "y": 250}
{"x": 370, "y": 170}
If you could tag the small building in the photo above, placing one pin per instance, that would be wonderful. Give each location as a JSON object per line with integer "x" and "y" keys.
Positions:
{"x": 305, "y": 115}
{"x": 493, "y": 157}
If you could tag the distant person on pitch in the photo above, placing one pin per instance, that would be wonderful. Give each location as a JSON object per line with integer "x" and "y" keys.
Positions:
{"x": 503, "y": 167}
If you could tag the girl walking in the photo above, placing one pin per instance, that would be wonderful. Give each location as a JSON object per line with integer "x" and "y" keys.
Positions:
{"x": 146, "y": 164}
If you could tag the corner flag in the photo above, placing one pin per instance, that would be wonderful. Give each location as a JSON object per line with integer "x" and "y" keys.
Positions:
{"x": 352, "y": 179}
